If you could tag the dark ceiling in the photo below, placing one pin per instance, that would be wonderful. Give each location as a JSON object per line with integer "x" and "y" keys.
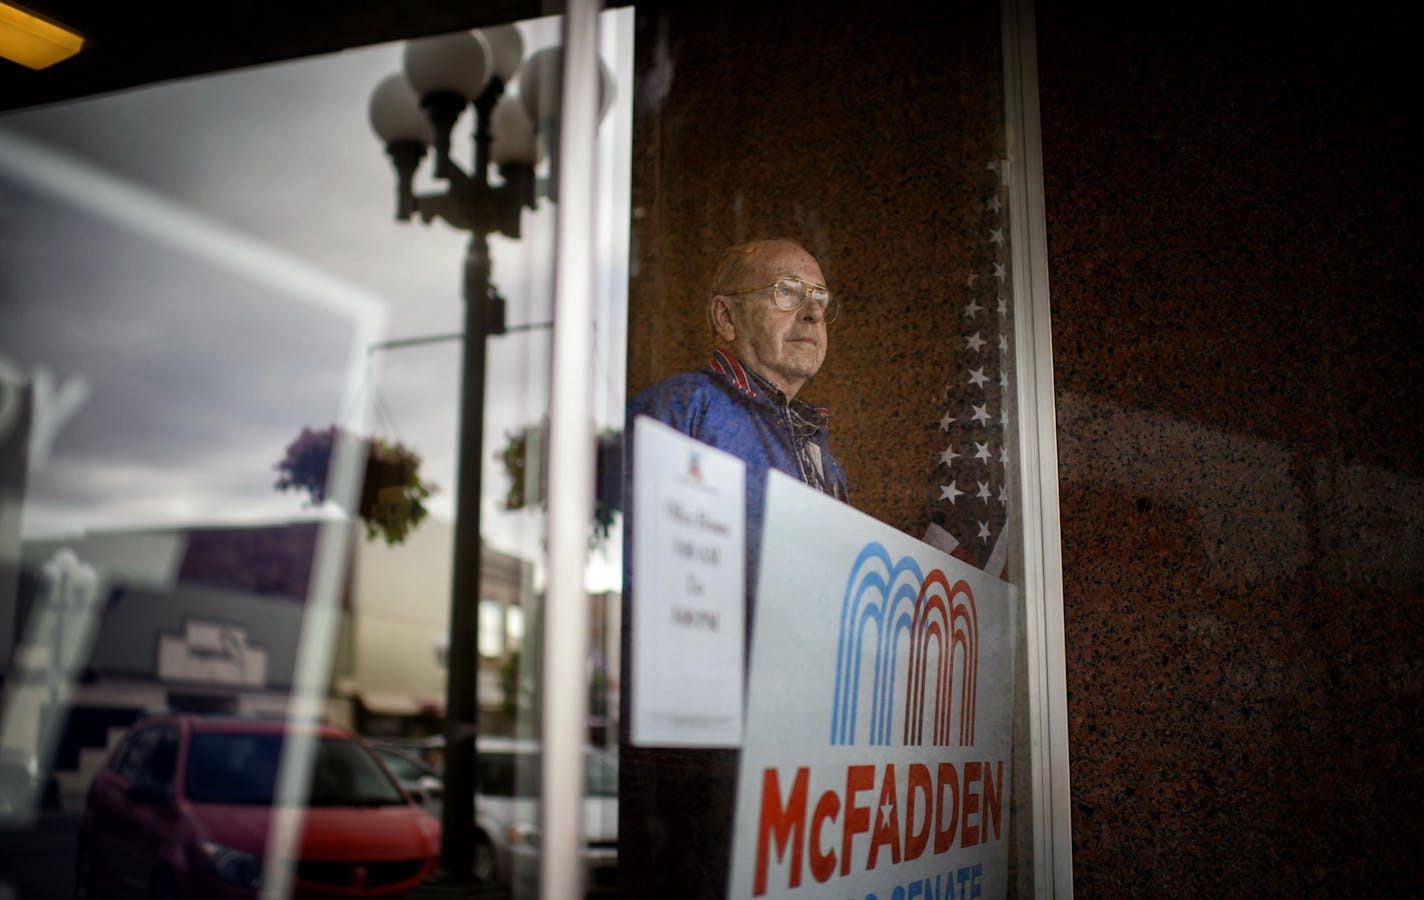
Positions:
{"x": 130, "y": 45}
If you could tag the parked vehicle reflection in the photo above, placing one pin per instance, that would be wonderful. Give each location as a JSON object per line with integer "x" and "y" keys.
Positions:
{"x": 507, "y": 775}
{"x": 421, "y": 782}
{"x": 183, "y": 806}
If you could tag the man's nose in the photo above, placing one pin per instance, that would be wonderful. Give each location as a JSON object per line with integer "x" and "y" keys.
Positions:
{"x": 811, "y": 311}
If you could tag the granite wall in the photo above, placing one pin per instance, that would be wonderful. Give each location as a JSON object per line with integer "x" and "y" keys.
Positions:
{"x": 1234, "y": 255}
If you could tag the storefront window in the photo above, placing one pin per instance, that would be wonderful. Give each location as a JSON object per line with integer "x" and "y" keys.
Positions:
{"x": 836, "y": 654}
{"x": 681, "y": 456}
{"x": 237, "y": 413}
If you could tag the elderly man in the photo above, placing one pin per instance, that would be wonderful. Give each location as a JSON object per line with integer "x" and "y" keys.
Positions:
{"x": 768, "y": 312}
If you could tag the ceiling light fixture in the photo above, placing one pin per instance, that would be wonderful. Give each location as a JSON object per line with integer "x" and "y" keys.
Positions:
{"x": 34, "y": 41}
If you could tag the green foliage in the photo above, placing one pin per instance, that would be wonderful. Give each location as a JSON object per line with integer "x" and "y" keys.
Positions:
{"x": 526, "y": 447}
{"x": 393, "y": 494}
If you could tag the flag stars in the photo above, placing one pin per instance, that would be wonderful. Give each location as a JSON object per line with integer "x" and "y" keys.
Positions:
{"x": 1004, "y": 379}
{"x": 1003, "y": 456}
{"x": 984, "y": 532}
{"x": 997, "y": 236}
{"x": 999, "y": 272}
{"x": 945, "y": 421}
{"x": 1004, "y": 416}
{"x": 977, "y": 377}
{"x": 993, "y": 204}
{"x": 983, "y": 492}
{"x": 974, "y": 342}
{"x": 950, "y": 492}
{"x": 949, "y": 456}
{"x": 973, "y": 309}
{"x": 1003, "y": 307}
{"x": 1003, "y": 496}
{"x": 981, "y": 414}
{"x": 1003, "y": 344}
{"x": 982, "y": 452}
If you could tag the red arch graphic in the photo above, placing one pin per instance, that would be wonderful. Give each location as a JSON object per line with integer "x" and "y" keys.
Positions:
{"x": 964, "y": 620}
{"x": 945, "y": 617}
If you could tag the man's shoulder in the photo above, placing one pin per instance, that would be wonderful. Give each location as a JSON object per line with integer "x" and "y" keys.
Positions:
{"x": 695, "y": 379}
{"x": 699, "y": 386}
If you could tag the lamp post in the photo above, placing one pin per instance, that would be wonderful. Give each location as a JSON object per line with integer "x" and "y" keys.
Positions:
{"x": 410, "y": 112}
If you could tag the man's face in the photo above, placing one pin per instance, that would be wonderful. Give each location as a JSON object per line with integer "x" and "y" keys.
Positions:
{"x": 787, "y": 347}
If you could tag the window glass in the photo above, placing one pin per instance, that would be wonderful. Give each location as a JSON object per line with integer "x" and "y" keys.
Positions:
{"x": 135, "y": 759}
{"x": 232, "y": 769}
{"x": 163, "y": 762}
{"x": 274, "y": 393}
{"x": 346, "y": 774}
{"x": 602, "y": 774}
{"x": 403, "y": 768}
{"x": 513, "y": 626}
{"x": 491, "y": 629}
{"x": 826, "y": 623}
{"x": 506, "y": 773}
{"x": 117, "y": 759}
{"x": 241, "y": 770}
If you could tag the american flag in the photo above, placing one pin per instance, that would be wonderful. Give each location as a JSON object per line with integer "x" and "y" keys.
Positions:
{"x": 969, "y": 493}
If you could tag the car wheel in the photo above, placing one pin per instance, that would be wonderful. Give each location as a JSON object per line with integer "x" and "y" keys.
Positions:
{"x": 483, "y": 865}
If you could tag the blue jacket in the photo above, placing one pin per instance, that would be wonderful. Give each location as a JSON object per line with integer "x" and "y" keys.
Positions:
{"x": 723, "y": 407}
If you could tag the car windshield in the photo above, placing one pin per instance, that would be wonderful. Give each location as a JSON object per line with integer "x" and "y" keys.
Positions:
{"x": 505, "y": 773}
{"x": 402, "y": 766}
{"x": 241, "y": 770}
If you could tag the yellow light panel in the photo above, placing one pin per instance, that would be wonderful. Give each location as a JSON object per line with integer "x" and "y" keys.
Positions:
{"x": 33, "y": 41}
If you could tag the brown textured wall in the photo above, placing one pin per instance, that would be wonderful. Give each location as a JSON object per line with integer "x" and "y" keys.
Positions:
{"x": 1234, "y": 253}
{"x": 862, "y": 134}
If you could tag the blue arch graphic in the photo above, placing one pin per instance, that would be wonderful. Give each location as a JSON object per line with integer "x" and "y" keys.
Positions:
{"x": 880, "y": 597}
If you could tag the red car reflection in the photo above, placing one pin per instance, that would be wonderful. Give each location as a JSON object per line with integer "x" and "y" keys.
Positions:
{"x": 184, "y": 807}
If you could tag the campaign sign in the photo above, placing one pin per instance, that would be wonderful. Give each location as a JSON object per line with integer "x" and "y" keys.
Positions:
{"x": 875, "y": 761}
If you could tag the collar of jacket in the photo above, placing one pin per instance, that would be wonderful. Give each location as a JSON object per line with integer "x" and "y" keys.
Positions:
{"x": 757, "y": 387}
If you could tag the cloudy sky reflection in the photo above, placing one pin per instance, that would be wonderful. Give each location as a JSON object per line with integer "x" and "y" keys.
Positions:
{"x": 194, "y": 376}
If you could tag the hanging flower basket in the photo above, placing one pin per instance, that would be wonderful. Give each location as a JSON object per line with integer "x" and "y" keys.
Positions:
{"x": 525, "y": 448}
{"x": 393, "y": 494}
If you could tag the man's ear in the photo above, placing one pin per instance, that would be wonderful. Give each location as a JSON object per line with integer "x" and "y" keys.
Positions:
{"x": 720, "y": 312}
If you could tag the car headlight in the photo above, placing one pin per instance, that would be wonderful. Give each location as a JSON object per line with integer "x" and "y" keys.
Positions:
{"x": 232, "y": 866}
{"x": 522, "y": 834}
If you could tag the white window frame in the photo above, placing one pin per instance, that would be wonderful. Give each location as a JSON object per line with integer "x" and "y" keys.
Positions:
{"x": 1042, "y": 537}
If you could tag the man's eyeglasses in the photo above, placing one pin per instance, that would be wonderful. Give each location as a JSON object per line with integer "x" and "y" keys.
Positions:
{"x": 789, "y": 293}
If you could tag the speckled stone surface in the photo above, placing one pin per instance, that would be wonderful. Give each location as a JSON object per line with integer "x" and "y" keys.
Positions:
{"x": 1234, "y": 251}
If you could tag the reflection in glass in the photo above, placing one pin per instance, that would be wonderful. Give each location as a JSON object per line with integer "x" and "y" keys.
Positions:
{"x": 924, "y": 377}
{"x": 241, "y": 770}
{"x": 184, "y": 297}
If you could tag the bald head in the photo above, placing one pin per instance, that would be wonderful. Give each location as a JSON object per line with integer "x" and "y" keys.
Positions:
{"x": 745, "y": 262}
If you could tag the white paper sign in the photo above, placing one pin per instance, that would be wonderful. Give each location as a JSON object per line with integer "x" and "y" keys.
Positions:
{"x": 877, "y": 750}
{"x": 688, "y": 583}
